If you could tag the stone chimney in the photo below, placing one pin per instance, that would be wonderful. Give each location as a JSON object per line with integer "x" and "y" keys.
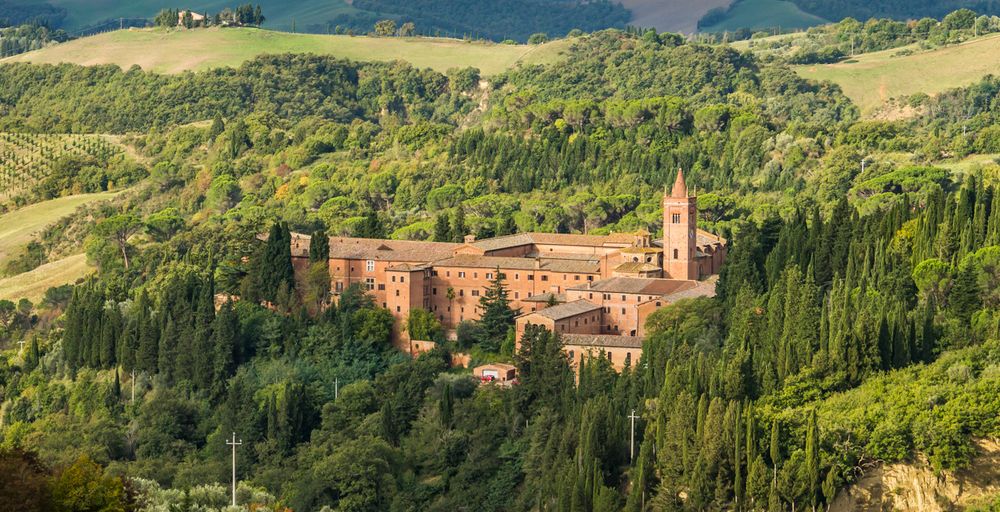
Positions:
{"x": 470, "y": 238}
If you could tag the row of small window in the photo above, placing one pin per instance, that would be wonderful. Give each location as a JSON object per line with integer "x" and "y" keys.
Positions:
{"x": 628, "y": 357}
{"x": 607, "y": 296}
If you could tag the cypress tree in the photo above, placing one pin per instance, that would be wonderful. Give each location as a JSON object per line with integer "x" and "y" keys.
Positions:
{"x": 168, "y": 349}
{"x": 226, "y": 333}
{"x": 812, "y": 459}
{"x": 446, "y": 406}
{"x": 775, "y": 445}
{"x": 319, "y": 247}
{"x": 458, "y": 228}
{"x": 442, "y": 228}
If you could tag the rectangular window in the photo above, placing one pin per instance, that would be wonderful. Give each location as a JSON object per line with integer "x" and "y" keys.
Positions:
{"x": 545, "y": 278}
{"x": 675, "y": 218}
{"x": 461, "y": 274}
{"x": 475, "y": 293}
{"x": 381, "y": 287}
{"x": 576, "y": 278}
{"x": 370, "y": 265}
{"x": 531, "y": 277}
{"x": 397, "y": 293}
{"x": 394, "y": 279}
{"x": 402, "y": 279}
{"x": 339, "y": 286}
{"x": 517, "y": 295}
{"x": 370, "y": 283}
{"x": 434, "y": 291}
{"x": 461, "y": 293}
{"x": 489, "y": 275}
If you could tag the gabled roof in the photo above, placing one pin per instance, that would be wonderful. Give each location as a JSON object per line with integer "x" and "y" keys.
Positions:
{"x": 567, "y": 310}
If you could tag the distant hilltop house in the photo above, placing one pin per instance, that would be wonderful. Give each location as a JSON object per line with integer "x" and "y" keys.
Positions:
{"x": 194, "y": 17}
{"x": 595, "y": 291}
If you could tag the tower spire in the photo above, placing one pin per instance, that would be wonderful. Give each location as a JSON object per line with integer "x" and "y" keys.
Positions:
{"x": 680, "y": 188}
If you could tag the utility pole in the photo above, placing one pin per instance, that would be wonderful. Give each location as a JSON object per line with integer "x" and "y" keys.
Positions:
{"x": 631, "y": 444}
{"x": 234, "y": 443}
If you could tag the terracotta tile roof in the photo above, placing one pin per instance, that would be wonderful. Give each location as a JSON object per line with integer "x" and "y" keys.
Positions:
{"x": 391, "y": 250}
{"x": 567, "y": 310}
{"x": 511, "y": 263}
{"x": 638, "y": 285}
{"x": 637, "y": 266}
{"x": 505, "y": 242}
{"x": 706, "y": 238}
{"x": 701, "y": 289}
{"x": 602, "y": 340}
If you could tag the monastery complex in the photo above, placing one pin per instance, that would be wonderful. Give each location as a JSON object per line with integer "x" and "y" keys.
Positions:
{"x": 603, "y": 287}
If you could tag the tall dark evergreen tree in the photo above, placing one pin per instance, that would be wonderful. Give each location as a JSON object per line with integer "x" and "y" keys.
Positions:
{"x": 497, "y": 317}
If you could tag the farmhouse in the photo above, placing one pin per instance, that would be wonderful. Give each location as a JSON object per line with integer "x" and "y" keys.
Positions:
{"x": 596, "y": 291}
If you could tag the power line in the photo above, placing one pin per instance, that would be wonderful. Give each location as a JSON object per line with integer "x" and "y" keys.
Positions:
{"x": 234, "y": 443}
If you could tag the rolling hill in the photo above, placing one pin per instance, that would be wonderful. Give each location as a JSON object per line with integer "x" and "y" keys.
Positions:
{"x": 874, "y": 78}
{"x": 175, "y": 51}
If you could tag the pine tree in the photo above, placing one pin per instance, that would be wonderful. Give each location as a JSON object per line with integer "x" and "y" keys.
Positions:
{"x": 497, "y": 317}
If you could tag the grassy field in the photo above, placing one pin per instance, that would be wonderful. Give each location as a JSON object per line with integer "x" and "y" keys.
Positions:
{"x": 174, "y": 51}
{"x": 873, "y": 78}
{"x": 18, "y": 227}
{"x": 32, "y": 285}
{"x": 755, "y": 14}
{"x": 281, "y": 14}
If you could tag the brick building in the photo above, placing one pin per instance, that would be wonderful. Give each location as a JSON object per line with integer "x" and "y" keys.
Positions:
{"x": 604, "y": 286}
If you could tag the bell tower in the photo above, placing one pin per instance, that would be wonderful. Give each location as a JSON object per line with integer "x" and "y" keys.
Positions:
{"x": 680, "y": 232}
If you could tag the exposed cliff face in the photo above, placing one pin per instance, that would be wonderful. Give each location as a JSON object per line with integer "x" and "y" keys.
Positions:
{"x": 917, "y": 487}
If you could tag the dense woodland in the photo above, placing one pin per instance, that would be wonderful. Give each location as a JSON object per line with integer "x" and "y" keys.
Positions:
{"x": 856, "y": 320}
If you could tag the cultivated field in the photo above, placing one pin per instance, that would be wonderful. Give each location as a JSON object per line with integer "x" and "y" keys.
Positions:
{"x": 754, "y": 14}
{"x": 27, "y": 158}
{"x": 32, "y": 285}
{"x": 17, "y": 228}
{"x": 871, "y": 79}
{"x": 175, "y": 51}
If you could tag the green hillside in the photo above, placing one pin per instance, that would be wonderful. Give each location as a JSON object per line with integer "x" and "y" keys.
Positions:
{"x": 175, "y": 51}
{"x": 872, "y": 79}
{"x": 757, "y": 14}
